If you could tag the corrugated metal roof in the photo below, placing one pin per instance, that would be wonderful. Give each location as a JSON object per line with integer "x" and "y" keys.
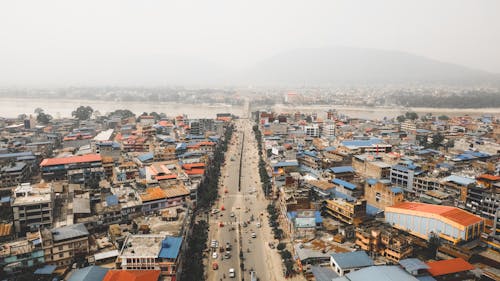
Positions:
{"x": 170, "y": 247}
{"x": 343, "y": 169}
{"x": 352, "y": 259}
{"x": 71, "y": 160}
{"x": 452, "y": 213}
{"x": 380, "y": 273}
{"x": 89, "y": 273}
{"x": 444, "y": 267}
{"x": 413, "y": 264}
{"x": 70, "y": 231}
{"x": 345, "y": 184}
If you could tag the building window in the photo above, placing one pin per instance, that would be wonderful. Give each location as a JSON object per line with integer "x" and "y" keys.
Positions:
{"x": 61, "y": 255}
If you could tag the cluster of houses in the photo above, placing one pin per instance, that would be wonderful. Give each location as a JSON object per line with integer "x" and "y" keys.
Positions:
{"x": 366, "y": 199}
{"x": 103, "y": 199}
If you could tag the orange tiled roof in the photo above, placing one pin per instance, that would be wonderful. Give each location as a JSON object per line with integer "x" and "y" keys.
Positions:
{"x": 71, "y": 160}
{"x": 176, "y": 191}
{"x": 132, "y": 275}
{"x": 192, "y": 165}
{"x": 195, "y": 171}
{"x": 153, "y": 193}
{"x": 489, "y": 177}
{"x": 452, "y": 213}
{"x": 444, "y": 267}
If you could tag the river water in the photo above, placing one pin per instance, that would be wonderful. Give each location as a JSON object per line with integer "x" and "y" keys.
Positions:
{"x": 12, "y": 107}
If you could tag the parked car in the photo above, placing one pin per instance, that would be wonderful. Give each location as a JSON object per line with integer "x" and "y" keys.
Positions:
{"x": 215, "y": 255}
{"x": 232, "y": 273}
{"x": 254, "y": 235}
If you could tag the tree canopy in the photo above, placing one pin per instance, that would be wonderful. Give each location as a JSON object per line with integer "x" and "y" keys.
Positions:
{"x": 82, "y": 112}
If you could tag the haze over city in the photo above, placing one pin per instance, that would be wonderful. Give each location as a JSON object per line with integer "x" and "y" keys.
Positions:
{"x": 159, "y": 43}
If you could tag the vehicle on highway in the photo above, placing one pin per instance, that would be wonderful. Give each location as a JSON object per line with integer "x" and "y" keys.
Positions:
{"x": 227, "y": 255}
{"x": 253, "y": 276}
{"x": 215, "y": 255}
{"x": 232, "y": 273}
{"x": 254, "y": 235}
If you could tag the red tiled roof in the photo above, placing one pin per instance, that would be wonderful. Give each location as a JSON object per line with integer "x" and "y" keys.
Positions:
{"x": 71, "y": 160}
{"x": 452, "y": 213}
{"x": 132, "y": 275}
{"x": 192, "y": 165}
{"x": 444, "y": 267}
{"x": 195, "y": 171}
{"x": 489, "y": 177}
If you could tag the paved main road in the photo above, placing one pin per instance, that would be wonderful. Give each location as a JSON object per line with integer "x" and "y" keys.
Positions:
{"x": 248, "y": 204}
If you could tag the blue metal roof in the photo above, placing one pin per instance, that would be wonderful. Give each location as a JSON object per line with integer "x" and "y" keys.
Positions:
{"x": 286, "y": 164}
{"x": 89, "y": 273}
{"x": 170, "y": 247}
{"x": 460, "y": 180}
{"x": 342, "y": 169}
{"x": 413, "y": 264}
{"x": 352, "y": 259}
{"x": 345, "y": 184}
{"x": 371, "y": 181}
{"x": 397, "y": 190}
{"x": 372, "y": 210}
{"x": 362, "y": 143}
{"x": 112, "y": 200}
{"x": 380, "y": 273}
{"x": 323, "y": 273}
{"x": 145, "y": 157}
{"x": 5, "y": 199}
{"x": 46, "y": 270}
{"x": 16, "y": 154}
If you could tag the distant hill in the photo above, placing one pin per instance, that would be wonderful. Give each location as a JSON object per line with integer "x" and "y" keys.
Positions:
{"x": 356, "y": 66}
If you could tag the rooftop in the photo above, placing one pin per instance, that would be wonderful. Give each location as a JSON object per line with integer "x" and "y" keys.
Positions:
{"x": 352, "y": 259}
{"x": 71, "y": 160}
{"x": 379, "y": 273}
{"x": 170, "y": 247}
{"x": 444, "y": 267}
{"x": 132, "y": 275}
{"x": 452, "y": 213}
{"x": 69, "y": 232}
{"x": 89, "y": 273}
{"x": 142, "y": 245}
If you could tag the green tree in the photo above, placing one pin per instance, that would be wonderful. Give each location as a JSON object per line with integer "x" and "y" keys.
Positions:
{"x": 281, "y": 246}
{"x": 123, "y": 113}
{"x": 443, "y": 117}
{"x": 43, "y": 118}
{"x": 401, "y": 118}
{"x": 411, "y": 115}
{"x": 437, "y": 140}
{"x": 82, "y": 112}
{"x": 433, "y": 245}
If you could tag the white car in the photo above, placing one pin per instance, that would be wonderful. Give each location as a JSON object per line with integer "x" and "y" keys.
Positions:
{"x": 215, "y": 255}
{"x": 232, "y": 273}
{"x": 232, "y": 214}
{"x": 254, "y": 235}
{"x": 258, "y": 224}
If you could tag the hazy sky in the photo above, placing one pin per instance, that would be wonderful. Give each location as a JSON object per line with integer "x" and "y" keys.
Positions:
{"x": 65, "y": 42}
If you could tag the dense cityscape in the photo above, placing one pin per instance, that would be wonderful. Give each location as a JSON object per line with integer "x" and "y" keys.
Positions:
{"x": 264, "y": 140}
{"x": 300, "y": 196}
